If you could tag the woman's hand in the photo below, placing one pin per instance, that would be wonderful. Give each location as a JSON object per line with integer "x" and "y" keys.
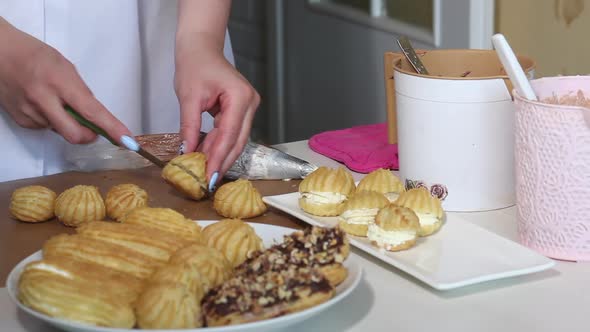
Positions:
{"x": 205, "y": 81}
{"x": 36, "y": 81}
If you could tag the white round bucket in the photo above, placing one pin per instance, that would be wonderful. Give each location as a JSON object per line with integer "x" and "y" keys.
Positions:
{"x": 456, "y": 134}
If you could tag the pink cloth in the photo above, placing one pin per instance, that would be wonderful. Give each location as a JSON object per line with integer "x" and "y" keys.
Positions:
{"x": 362, "y": 149}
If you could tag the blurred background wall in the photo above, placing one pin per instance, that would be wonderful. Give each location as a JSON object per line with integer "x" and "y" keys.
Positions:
{"x": 553, "y": 32}
{"x": 318, "y": 64}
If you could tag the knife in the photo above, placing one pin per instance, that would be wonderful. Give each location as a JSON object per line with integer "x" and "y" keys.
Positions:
{"x": 128, "y": 141}
{"x": 410, "y": 53}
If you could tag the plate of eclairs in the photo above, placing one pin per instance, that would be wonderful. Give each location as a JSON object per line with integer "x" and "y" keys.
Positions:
{"x": 158, "y": 270}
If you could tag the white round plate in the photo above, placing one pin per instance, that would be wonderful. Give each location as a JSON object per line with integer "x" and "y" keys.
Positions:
{"x": 269, "y": 234}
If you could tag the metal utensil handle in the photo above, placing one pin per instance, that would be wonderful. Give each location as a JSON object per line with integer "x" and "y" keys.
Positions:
{"x": 410, "y": 53}
{"x": 84, "y": 122}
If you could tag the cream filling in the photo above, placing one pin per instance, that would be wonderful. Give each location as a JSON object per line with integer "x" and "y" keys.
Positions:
{"x": 427, "y": 219}
{"x": 392, "y": 197}
{"x": 359, "y": 216}
{"x": 387, "y": 239}
{"x": 50, "y": 268}
{"x": 319, "y": 197}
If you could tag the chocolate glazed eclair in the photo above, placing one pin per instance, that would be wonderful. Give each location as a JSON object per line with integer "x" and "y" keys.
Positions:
{"x": 291, "y": 276}
{"x": 322, "y": 248}
{"x": 248, "y": 298}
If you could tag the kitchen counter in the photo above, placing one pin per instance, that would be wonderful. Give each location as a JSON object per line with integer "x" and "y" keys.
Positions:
{"x": 386, "y": 300}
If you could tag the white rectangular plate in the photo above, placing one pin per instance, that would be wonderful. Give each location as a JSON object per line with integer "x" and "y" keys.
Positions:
{"x": 458, "y": 255}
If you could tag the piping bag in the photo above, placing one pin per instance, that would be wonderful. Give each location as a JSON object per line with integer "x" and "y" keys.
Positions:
{"x": 257, "y": 162}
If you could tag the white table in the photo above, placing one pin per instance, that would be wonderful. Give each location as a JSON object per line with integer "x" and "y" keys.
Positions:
{"x": 390, "y": 300}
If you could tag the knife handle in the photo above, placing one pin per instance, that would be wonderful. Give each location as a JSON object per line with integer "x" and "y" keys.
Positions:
{"x": 84, "y": 122}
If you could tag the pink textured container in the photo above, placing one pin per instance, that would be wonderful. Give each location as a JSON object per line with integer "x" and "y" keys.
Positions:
{"x": 552, "y": 155}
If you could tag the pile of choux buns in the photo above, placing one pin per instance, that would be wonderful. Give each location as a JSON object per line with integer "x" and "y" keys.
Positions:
{"x": 83, "y": 203}
{"x": 379, "y": 208}
{"x": 77, "y": 205}
{"x": 153, "y": 268}
{"x": 158, "y": 270}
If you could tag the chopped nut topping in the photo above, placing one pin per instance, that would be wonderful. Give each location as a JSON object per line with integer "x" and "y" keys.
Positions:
{"x": 280, "y": 273}
{"x": 263, "y": 301}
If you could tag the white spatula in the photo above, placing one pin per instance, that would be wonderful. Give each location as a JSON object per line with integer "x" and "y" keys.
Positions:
{"x": 512, "y": 67}
{"x": 516, "y": 74}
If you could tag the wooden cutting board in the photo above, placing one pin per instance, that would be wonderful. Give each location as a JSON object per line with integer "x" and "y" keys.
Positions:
{"x": 18, "y": 239}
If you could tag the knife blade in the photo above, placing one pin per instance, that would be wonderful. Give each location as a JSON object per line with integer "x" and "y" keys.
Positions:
{"x": 410, "y": 53}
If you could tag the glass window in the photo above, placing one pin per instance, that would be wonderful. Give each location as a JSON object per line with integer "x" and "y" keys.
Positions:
{"x": 362, "y": 5}
{"x": 414, "y": 12}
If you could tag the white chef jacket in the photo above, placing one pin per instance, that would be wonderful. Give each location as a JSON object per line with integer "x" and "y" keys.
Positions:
{"x": 123, "y": 50}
